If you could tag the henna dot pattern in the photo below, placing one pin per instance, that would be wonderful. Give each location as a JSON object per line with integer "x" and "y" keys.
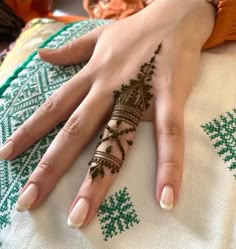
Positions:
{"x": 222, "y": 132}
{"x": 117, "y": 214}
{"x": 129, "y": 105}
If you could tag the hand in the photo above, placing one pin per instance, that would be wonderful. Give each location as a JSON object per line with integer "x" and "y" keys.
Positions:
{"x": 115, "y": 53}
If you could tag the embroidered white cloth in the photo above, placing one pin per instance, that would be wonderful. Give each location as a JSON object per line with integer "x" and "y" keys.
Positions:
{"x": 130, "y": 217}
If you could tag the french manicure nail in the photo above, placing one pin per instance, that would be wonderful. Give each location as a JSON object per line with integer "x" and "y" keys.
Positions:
{"x": 167, "y": 198}
{"x": 6, "y": 150}
{"x": 78, "y": 213}
{"x": 27, "y": 198}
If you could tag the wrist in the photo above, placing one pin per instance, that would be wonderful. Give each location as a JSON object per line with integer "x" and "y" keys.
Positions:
{"x": 193, "y": 19}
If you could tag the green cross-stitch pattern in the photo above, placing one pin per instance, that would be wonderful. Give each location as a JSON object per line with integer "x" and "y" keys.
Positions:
{"x": 22, "y": 94}
{"x": 223, "y": 132}
{"x": 116, "y": 214}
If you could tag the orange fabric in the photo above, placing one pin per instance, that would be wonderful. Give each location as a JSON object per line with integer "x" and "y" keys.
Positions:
{"x": 23, "y": 9}
{"x": 224, "y": 30}
{"x": 113, "y": 9}
{"x": 225, "y": 25}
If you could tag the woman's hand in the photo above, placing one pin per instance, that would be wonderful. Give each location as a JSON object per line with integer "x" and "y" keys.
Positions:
{"x": 115, "y": 53}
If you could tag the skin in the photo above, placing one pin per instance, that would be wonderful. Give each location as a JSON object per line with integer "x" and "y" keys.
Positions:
{"x": 182, "y": 36}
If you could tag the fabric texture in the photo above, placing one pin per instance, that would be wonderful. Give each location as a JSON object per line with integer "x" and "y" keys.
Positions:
{"x": 129, "y": 217}
{"x": 225, "y": 25}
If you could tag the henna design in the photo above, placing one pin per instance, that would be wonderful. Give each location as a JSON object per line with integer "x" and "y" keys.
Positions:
{"x": 129, "y": 105}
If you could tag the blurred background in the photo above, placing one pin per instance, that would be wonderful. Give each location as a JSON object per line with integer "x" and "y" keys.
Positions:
{"x": 11, "y": 25}
{"x": 69, "y": 7}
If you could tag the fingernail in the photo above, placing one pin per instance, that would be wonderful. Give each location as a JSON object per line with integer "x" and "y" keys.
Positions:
{"x": 27, "y": 198}
{"x": 78, "y": 213}
{"x": 6, "y": 150}
{"x": 167, "y": 198}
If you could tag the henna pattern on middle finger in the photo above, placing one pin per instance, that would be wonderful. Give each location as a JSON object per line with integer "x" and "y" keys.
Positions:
{"x": 129, "y": 105}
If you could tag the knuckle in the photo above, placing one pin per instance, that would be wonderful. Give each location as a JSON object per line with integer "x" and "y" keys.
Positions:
{"x": 51, "y": 105}
{"x": 46, "y": 168}
{"x": 71, "y": 46}
{"x": 23, "y": 130}
{"x": 99, "y": 184}
{"x": 69, "y": 49}
{"x": 170, "y": 130}
{"x": 74, "y": 127}
{"x": 170, "y": 171}
{"x": 169, "y": 166}
{"x": 97, "y": 181}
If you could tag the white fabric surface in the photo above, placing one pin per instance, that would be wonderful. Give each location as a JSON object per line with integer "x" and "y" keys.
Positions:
{"x": 204, "y": 217}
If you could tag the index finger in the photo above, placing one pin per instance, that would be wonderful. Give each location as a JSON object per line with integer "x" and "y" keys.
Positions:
{"x": 57, "y": 108}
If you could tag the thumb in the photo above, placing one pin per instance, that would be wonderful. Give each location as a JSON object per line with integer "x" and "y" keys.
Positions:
{"x": 77, "y": 51}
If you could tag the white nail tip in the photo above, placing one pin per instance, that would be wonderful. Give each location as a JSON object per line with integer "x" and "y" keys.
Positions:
{"x": 166, "y": 207}
{"x": 27, "y": 198}
{"x": 167, "y": 198}
{"x": 19, "y": 208}
{"x": 72, "y": 225}
{"x": 79, "y": 213}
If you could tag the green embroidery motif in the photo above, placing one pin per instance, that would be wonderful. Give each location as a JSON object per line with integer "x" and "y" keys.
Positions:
{"x": 223, "y": 132}
{"x": 29, "y": 86}
{"x": 117, "y": 214}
